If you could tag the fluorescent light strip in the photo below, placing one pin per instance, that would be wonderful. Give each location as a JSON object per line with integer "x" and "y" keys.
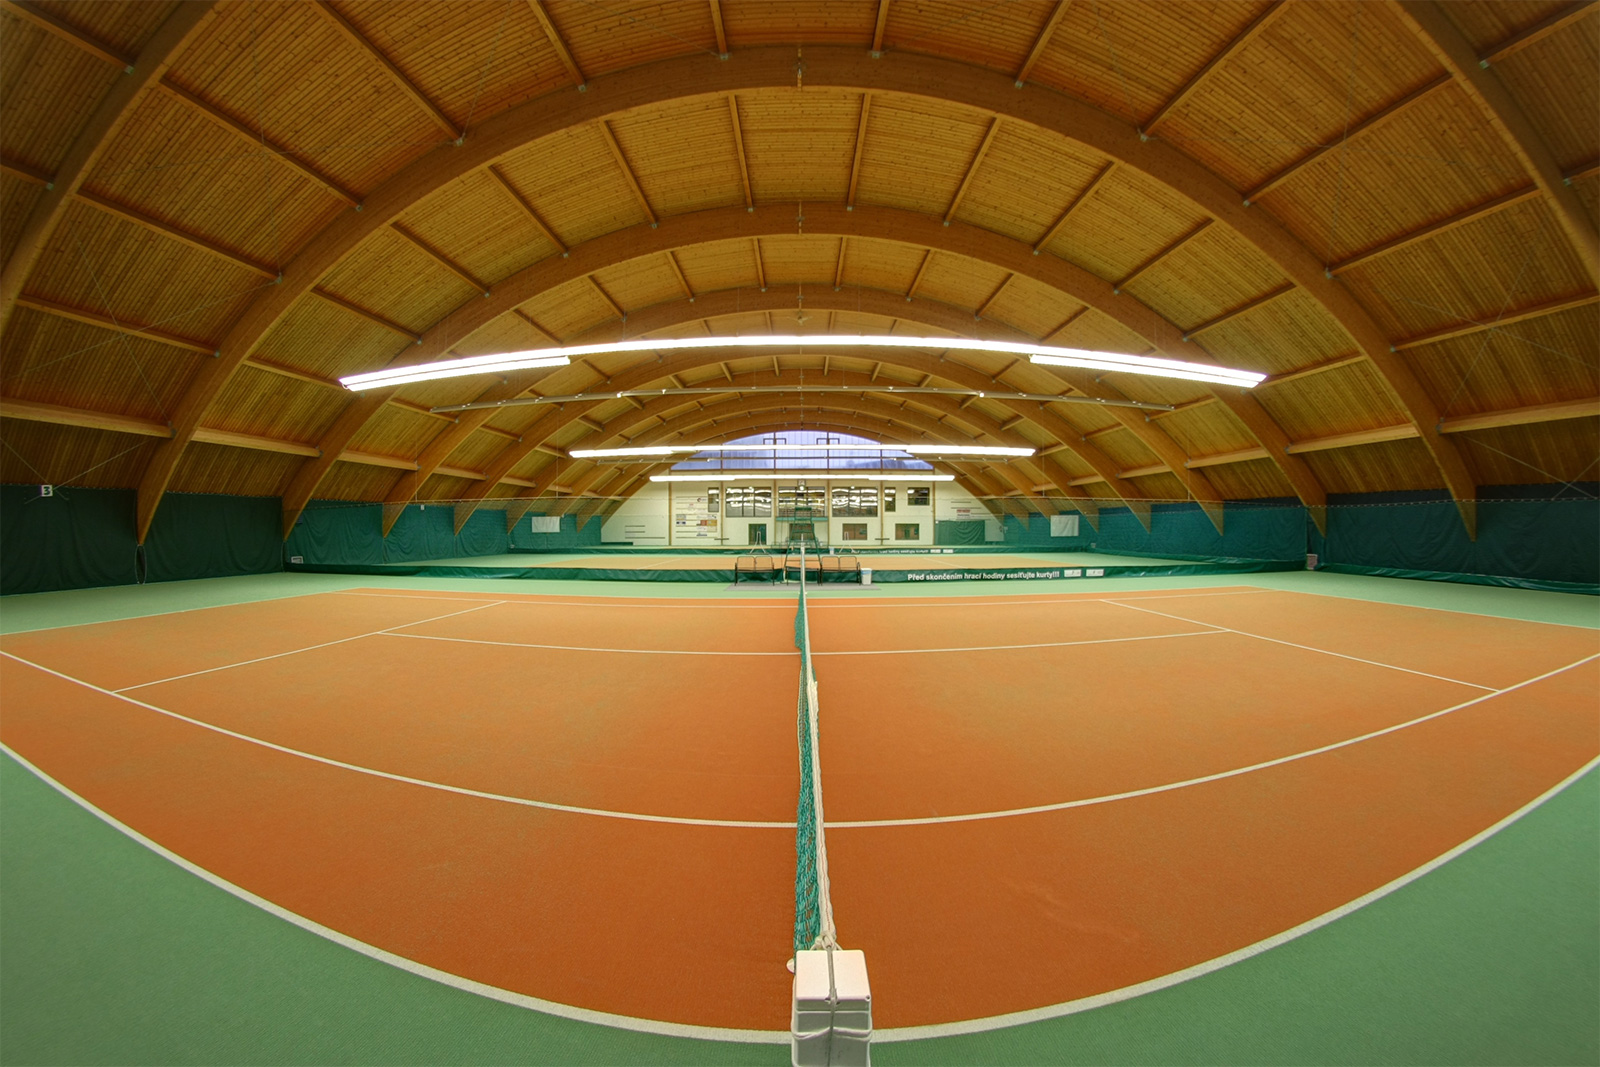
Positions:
{"x": 918, "y": 450}
{"x": 548, "y": 357}
{"x": 822, "y": 475}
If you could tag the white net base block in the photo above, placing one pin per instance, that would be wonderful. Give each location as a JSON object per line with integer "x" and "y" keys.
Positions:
{"x": 831, "y": 1025}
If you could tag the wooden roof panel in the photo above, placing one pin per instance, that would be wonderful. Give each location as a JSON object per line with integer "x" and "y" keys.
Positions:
{"x": 1374, "y": 468}
{"x": 1537, "y": 361}
{"x": 574, "y": 182}
{"x": 570, "y": 308}
{"x": 271, "y": 405}
{"x": 48, "y": 90}
{"x": 1556, "y": 82}
{"x": 1435, "y": 151}
{"x": 1131, "y": 58}
{"x": 1514, "y": 258}
{"x": 99, "y": 262}
{"x": 393, "y": 277}
{"x": 357, "y": 481}
{"x": 1489, "y": 22}
{"x": 287, "y": 71}
{"x": 1207, "y": 431}
{"x": 246, "y": 471}
{"x": 1530, "y": 455}
{"x": 815, "y": 164}
{"x": 751, "y": 23}
{"x": 719, "y": 265}
{"x": 917, "y": 152}
{"x": 319, "y": 338}
{"x": 798, "y": 259}
{"x": 1026, "y": 179}
{"x": 51, "y": 360}
{"x": 1127, "y": 219}
{"x": 17, "y": 198}
{"x": 397, "y": 432}
{"x": 1255, "y": 479}
{"x": 632, "y": 32}
{"x": 683, "y": 156}
{"x": 171, "y": 163}
{"x": 471, "y": 60}
{"x": 995, "y": 35}
{"x": 1032, "y": 307}
{"x": 1315, "y": 70}
{"x": 1339, "y": 401}
{"x": 1290, "y": 333}
{"x": 66, "y": 456}
{"x": 1212, "y": 274}
{"x": 959, "y": 281}
{"x": 482, "y": 228}
{"x": 641, "y": 282}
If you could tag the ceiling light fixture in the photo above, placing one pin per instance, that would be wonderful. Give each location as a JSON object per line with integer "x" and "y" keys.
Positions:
{"x": 817, "y": 475}
{"x": 920, "y": 450}
{"x": 1044, "y": 354}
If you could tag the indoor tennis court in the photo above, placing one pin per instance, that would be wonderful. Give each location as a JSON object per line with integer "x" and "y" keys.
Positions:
{"x": 996, "y": 770}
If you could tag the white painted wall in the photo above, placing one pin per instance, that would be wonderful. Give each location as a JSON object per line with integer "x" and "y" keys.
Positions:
{"x": 651, "y": 517}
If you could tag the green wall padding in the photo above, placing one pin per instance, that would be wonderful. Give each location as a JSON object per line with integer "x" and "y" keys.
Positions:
{"x": 958, "y": 532}
{"x": 1520, "y": 534}
{"x": 1249, "y": 531}
{"x": 196, "y": 535}
{"x": 81, "y": 538}
{"x": 523, "y": 539}
{"x": 1035, "y": 534}
{"x": 74, "y": 539}
{"x": 340, "y": 533}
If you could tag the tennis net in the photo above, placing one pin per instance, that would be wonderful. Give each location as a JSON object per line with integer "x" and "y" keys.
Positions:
{"x": 813, "y": 909}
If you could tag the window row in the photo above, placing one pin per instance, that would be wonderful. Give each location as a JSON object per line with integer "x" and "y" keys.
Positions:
{"x": 812, "y": 502}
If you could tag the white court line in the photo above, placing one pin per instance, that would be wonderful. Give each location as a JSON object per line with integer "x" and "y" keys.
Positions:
{"x": 845, "y": 825}
{"x": 459, "y": 790}
{"x": 1310, "y": 648}
{"x": 1072, "y": 1007}
{"x": 778, "y": 1037}
{"x": 1022, "y": 599}
{"x": 597, "y": 601}
{"x": 1089, "y": 801}
{"x": 422, "y": 970}
{"x": 581, "y": 648}
{"x": 174, "y": 611}
{"x": 1447, "y": 611}
{"x": 297, "y": 651}
{"x": 1000, "y": 648}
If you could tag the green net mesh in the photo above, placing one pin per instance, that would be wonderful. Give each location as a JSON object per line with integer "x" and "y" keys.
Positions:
{"x": 813, "y": 918}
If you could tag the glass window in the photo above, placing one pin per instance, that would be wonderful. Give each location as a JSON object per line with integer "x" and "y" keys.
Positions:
{"x": 854, "y": 531}
{"x": 814, "y": 497}
{"x": 855, "y": 501}
{"x": 888, "y": 498}
{"x": 908, "y": 531}
{"x": 749, "y": 502}
{"x": 713, "y": 501}
{"x": 919, "y": 496}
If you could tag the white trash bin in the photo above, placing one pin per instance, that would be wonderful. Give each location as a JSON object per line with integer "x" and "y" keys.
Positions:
{"x": 866, "y": 575}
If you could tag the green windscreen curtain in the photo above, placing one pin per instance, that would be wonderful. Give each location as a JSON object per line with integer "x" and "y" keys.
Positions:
{"x": 958, "y": 532}
{"x": 344, "y": 533}
{"x": 1249, "y": 531}
{"x": 79, "y": 538}
{"x": 72, "y": 540}
{"x": 202, "y": 536}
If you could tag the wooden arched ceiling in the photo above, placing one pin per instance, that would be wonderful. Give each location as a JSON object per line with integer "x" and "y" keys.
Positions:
{"x": 1390, "y": 208}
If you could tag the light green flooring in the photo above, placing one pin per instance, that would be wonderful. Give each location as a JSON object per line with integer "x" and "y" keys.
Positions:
{"x": 109, "y": 954}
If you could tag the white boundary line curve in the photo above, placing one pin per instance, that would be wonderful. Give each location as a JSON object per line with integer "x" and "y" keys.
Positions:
{"x": 307, "y": 648}
{"x": 861, "y": 824}
{"x": 777, "y": 1037}
{"x": 1309, "y": 648}
{"x": 422, "y": 970}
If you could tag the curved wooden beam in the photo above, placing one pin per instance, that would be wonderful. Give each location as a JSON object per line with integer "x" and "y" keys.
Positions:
{"x": 181, "y": 27}
{"x": 1453, "y": 52}
{"x": 889, "y": 224}
{"x": 903, "y": 73}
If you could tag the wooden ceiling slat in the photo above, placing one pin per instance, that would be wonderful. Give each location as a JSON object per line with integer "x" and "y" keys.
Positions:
{"x": 1244, "y": 37}
{"x": 1586, "y": 169}
{"x": 528, "y": 208}
{"x": 440, "y": 258}
{"x": 1505, "y": 318}
{"x": 1077, "y": 202}
{"x": 1045, "y": 33}
{"x": 861, "y": 140}
{"x": 1242, "y": 309}
{"x": 738, "y": 149}
{"x": 1155, "y": 260}
{"x": 1370, "y": 122}
{"x": 31, "y": 175}
{"x": 627, "y": 169}
{"x": 367, "y": 313}
{"x": 283, "y": 371}
{"x": 972, "y": 171}
{"x": 257, "y": 139}
{"x": 95, "y": 318}
{"x": 397, "y": 77}
{"x": 556, "y": 42}
{"x": 878, "y": 28}
{"x": 1461, "y": 218}
{"x": 717, "y": 27}
{"x": 177, "y": 233}
{"x": 1537, "y": 32}
{"x": 69, "y": 33}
